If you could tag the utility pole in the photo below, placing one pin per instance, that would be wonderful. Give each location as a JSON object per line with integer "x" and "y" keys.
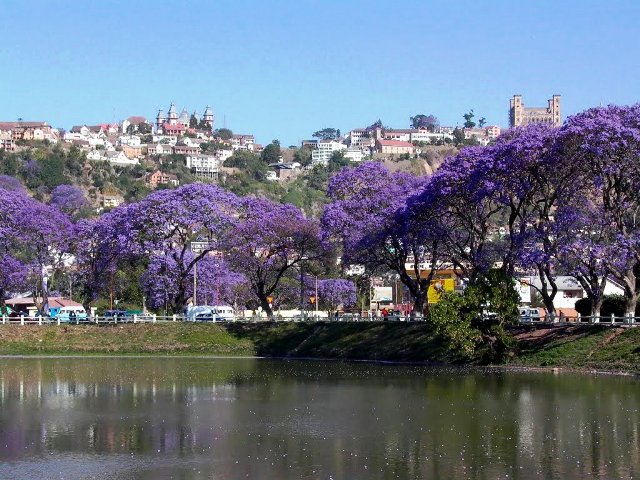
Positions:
{"x": 302, "y": 300}
{"x": 195, "y": 282}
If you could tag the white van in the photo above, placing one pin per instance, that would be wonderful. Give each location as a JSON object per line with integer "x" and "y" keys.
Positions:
{"x": 529, "y": 314}
{"x": 72, "y": 314}
{"x": 224, "y": 313}
{"x": 201, "y": 313}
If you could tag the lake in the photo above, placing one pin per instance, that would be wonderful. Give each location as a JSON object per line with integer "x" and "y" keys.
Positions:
{"x": 232, "y": 418}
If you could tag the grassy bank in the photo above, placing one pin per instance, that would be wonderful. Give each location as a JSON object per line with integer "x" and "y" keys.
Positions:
{"x": 170, "y": 339}
{"x": 582, "y": 347}
{"x": 585, "y": 347}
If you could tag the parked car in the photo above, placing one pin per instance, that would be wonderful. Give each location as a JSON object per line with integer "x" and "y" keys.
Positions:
{"x": 71, "y": 314}
{"x": 529, "y": 314}
{"x": 396, "y": 315}
{"x": 203, "y": 313}
{"x": 138, "y": 314}
{"x": 224, "y": 313}
{"x": 118, "y": 315}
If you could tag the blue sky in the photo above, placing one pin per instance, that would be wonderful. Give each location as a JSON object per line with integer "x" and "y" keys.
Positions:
{"x": 283, "y": 69}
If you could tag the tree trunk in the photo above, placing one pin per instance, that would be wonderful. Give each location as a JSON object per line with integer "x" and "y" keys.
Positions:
{"x": 418, "y": 305}
{"x": 631, "y": 293}
{"x": 547, "y": 298}
{"x": 264, "y": 303}
{"x": 596, "y": 306}
{"x": 630, "y": 304}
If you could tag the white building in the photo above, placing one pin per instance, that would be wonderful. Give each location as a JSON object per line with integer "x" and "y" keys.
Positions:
{"x": 569, "y": 290}
{"x": 165, "y": 139}
{"x": 493, "y": 131}
{"x": 120, "y": 159}
{"x": 358, "y": 137}
{"x": 131, "y": 140}
{"x": 159, "y": 149}
{"x": 242, "y": 142}
{"x": 325, "y": 150}
{"x": 96, "y": 155}
{"x": 403, "y": 135}
{"x": 355, "y": 154}
{"x": 112, "y": 201}
{"x": 426, "y": 136}
{"x": 206, "y": 166}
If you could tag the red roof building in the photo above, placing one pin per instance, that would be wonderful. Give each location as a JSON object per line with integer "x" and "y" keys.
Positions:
{"x": 394, "y": 147}
{"x": 177, "y": 129}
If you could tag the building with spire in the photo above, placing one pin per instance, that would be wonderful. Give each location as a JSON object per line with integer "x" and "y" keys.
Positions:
{"x": 172, "y": 115}
{"x": 208, "y": 116}
{"x": 172, "y": 123}
{"x": 161, "y": 119}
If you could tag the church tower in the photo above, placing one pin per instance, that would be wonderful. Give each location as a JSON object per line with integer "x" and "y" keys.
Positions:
{"x": 208, "y": 116}
{"x": 173, "y": 115}
{"x": 160, "y": 120}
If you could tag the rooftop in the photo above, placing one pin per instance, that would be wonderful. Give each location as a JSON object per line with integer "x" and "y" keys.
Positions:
{"x": 394, "y": 143}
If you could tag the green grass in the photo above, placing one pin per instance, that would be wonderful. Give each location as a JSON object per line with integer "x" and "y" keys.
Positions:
{"x": 362, "y": 341}
{"x": 175, "y": 339}
{"x": 585, "y": 347}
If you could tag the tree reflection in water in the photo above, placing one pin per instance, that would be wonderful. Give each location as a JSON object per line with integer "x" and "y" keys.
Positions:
{"x": 269, "y": 419}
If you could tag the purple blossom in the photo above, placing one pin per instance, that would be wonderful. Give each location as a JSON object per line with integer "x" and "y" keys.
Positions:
{"x": 11, "y": 184}
{"x": 68, "y": 198}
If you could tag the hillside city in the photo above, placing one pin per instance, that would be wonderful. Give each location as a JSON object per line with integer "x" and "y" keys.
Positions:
{"x": 118, "y": 162}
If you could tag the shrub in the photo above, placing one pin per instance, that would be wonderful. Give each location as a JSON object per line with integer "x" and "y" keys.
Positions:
{"x": 612, "y": 304}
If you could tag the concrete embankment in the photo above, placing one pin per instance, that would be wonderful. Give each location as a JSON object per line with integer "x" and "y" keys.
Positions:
{"x": 580, "y": 347}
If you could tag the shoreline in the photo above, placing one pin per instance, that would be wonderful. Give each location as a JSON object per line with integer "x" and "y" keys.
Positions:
{"x": 470, "y": 366}
{"x": 589, "y": 350}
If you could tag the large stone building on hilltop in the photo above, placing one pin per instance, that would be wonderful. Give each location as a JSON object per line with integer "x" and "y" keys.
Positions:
{"x": 521, "y": 115}
{"x": 172, "y": 122}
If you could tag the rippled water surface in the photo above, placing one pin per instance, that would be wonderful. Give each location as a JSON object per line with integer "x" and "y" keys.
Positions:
{"x": 210, "y": 418}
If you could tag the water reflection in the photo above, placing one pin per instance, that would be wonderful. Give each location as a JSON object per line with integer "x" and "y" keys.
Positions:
{"x": 231, "y": 418}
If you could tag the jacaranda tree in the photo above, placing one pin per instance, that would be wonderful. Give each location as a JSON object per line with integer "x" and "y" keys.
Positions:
{"x": 605, "y": 141}
{"x": 367, "y": 216}
{"x": 38, "y": 237}
{"x": 268, "y": 241}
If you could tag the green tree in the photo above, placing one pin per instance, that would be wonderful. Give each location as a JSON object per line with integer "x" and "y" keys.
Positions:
{"x": 327, "y": 134}
{"x": 144, "y": 128}
{"x": 249, "y": 162}
{"x": 458, "y": 136}
{"x": 430, "y": 122}
{"x": 52, "y": 169}
{"x": 468, "y": 119}
{"x": 474, "y": 322}
{"x": 193, "y": 121}
{"x": 337, "y": 162}
{"x": 303, "y": 156}
{"x": 482, "y": 122}
{"x": 8, "y": 163}
{"x": 271, "y": 153}
{"x": 224, "y": 133}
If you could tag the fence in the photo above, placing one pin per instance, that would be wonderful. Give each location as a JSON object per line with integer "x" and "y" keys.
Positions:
{"x": 152, "y": 318}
